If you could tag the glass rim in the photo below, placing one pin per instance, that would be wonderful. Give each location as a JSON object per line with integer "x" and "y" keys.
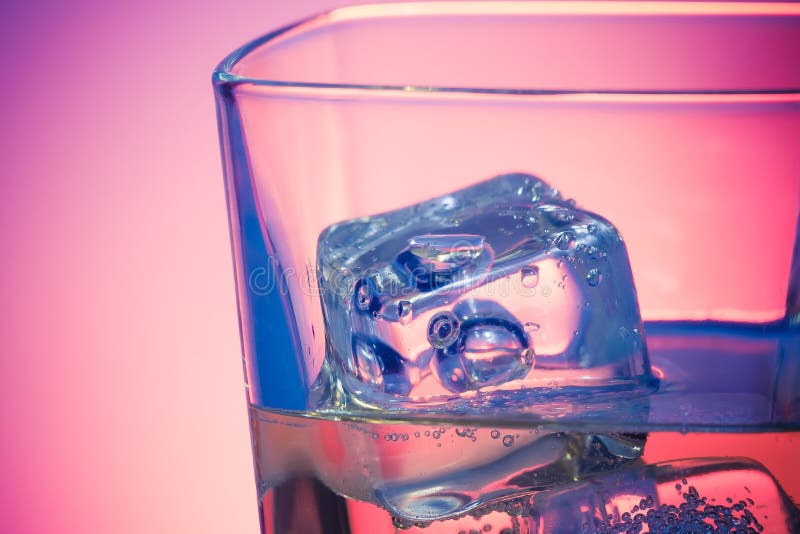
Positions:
{"x": 223, "y": 75}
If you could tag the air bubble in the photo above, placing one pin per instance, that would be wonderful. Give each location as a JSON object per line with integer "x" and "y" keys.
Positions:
{"x": 457, "y": 376}
{"x": 529, "y": 357}
{"x": 381, "y": 366}
{"x": 362, "y": 295}
{"x": 508, "y": 440}
{"x": 489, "y": 352}
{"x": 448, "y": 203}
{"x": 530, "y": 276}
{"x": 403, "y": 308}
{"x": 436, "y": 259}
{"x": 443, "y": 330}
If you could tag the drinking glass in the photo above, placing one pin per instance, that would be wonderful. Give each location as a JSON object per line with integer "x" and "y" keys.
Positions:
{"x": 519, "y": 266}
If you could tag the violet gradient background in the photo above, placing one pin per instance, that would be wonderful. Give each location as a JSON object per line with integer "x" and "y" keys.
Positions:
{"x": 122, "y": 406}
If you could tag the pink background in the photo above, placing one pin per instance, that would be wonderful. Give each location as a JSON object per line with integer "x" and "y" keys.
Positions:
{"x": 122, "y": 406}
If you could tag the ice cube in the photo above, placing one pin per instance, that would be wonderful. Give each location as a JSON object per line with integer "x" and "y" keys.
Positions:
{"x": 436, "y": 300}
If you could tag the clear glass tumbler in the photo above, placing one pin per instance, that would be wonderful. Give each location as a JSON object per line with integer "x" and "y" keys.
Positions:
{"x": 519, "y": 266}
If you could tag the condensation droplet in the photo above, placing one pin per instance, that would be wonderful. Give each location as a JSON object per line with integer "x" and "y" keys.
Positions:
{"x": 594, "y": 277}
{"x": 564, "y": 240}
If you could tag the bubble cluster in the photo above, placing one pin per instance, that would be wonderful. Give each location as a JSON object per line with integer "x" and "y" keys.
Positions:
{"x": 394, "y": 436}
{"x": 513, "y": 508}
{"x": 694, "y": 515}
{"x": 486, "y": 528}
{"x": 468, "y": 433}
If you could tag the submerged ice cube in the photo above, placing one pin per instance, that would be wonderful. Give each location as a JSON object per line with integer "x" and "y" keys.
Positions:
{"x": 535, "y": 462}
{"x": 691, "y": 495}
{"x": 502, "y": 285}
